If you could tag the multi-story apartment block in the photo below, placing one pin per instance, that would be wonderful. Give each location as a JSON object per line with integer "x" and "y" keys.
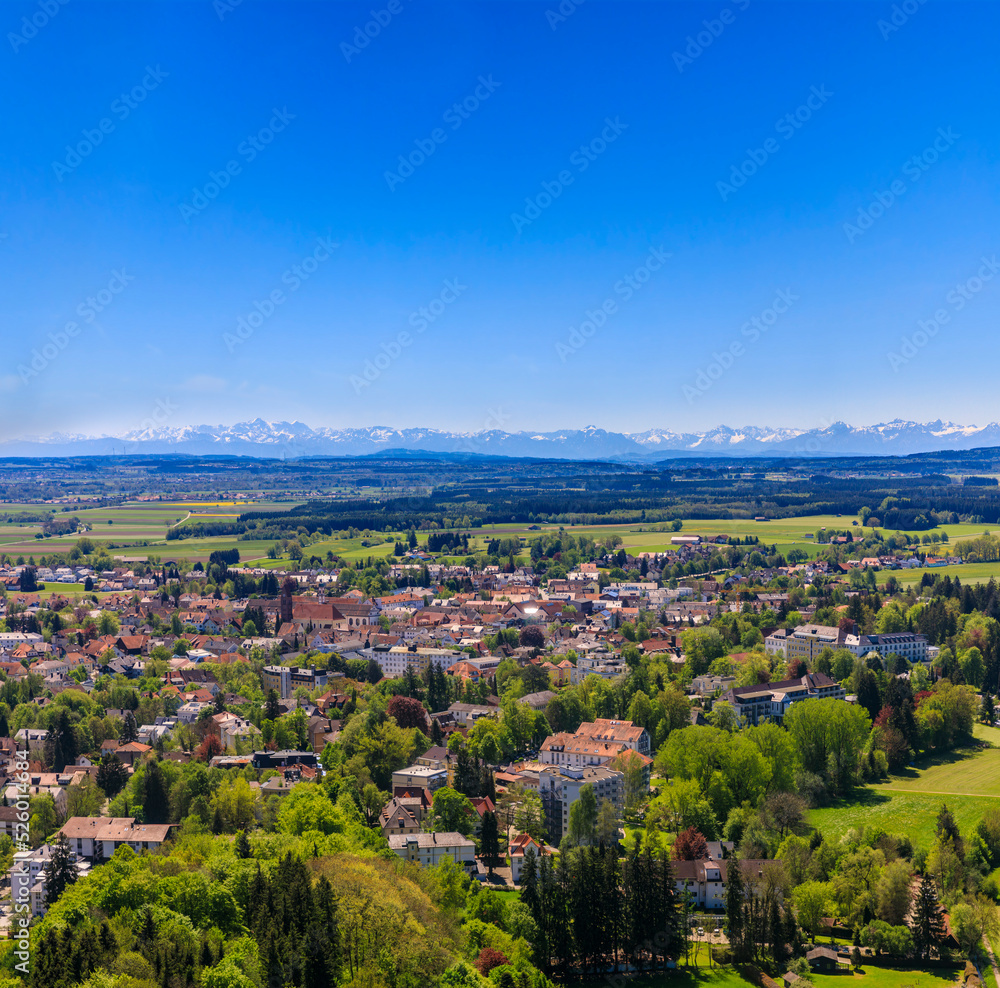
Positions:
{"x": 770, "y": 701}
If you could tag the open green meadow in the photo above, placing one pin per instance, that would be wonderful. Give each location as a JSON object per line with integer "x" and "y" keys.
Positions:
{"x": 966, "y": 572}
{"x": 130, "y": 525}
{"x": 133, "y": 523}
{"x": 967, "y": 780}
{"x": 881, "y": 977}
{"x": 727, "y": 977}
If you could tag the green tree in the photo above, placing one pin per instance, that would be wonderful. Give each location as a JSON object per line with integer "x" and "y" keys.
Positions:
{"x": 829, "y": 736}
{"x": 927, "y": 922}
{"x": 452, "y": 812}
{"x": 812, "y": 901}
{"x": 582, "y": 818}
{"x": 112, "y": 775}
{"x": 489, "y": 841}
{"x": 60, "y": 872}
{"x": 60, "y": 744}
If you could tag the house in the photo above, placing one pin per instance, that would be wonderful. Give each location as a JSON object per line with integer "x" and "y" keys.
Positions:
{"x": 706, "y": 879}
{"x": 538, "y": 701}
{"x": 431, "y": 849}
{"x": 402, "y": 815}
{"x": 826, "y": 959}
{"x": 707, "y": 685}
{"x": 132, "y": 752}
{"x": 421, "y": 776}
{"x": 466, "y": 714}
{"x": 436, "y": 757}
{"x": 97, "y": 838}
{"x": 33, "y": 738}
{"x": 518, "y": 848}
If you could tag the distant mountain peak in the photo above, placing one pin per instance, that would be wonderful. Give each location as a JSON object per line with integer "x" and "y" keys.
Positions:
{"x": 258, "y": 437}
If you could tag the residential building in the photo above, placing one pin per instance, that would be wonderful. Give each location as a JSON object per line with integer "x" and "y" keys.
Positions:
{"x": 421, "y": 776}
{"x": 770, "y": 701}
{"x": 27, "y": 877}
{"x": 285, "y": 680}
{"x": 431, "y": 849}
{"x": 603, "y": 664}
{"x": 466, "y": 714}
{"x": 706, "y": 879}
{"x": 707, "y": 685}
{"x": 808, "y": 640}
{"x": 396, "y": 659}
{"x": 560, "y": 789}
{"x": 519, "y": 846}
{"x": 98, "y": 837}
{"x": 594, "y": 743}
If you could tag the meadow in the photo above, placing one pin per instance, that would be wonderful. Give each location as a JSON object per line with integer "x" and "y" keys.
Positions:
{"x": 727, "y": 977}
{"x": 147, "y": 522}
{"x": 134, "y": 523}
{"x": 968, "y": 780}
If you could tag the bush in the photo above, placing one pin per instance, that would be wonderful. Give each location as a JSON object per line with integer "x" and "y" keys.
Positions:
{"x": 488, "y": 959}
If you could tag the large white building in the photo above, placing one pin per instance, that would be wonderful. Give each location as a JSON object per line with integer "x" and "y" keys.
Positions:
{"x": 396, "y": 660}
{"x": 910, "y": 646}
{"x": 431, "y": 849}
{"x": 560, "y": 789}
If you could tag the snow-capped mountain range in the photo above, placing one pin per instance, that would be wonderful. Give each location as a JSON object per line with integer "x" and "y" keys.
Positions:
{"x": 295, "y": 439}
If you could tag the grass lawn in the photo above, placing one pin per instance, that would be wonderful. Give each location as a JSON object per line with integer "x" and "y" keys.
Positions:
{"x": 967, "y": 780}
{"x": 683, "y": 977}
{"x": 727, "y": 977}
{"x": 880, "y": 977}
{"x": 967, "y": 573}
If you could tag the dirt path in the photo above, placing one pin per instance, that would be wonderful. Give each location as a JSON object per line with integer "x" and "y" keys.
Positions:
{"x": 938, "y": 792}
{"x": 993, "y": 960}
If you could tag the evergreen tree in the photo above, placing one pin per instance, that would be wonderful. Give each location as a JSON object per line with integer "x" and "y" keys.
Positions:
{"x": 60, "y": 871}
{"x": 735, "y": 904}
{"x": 112, "y": 775}
{"x": 242, "y": 845}
{"x": 130, "y": 729}
{"x": 60, "y": 744}
{"x": 927, "y": 924}
{"x": 490, "y": 841}
{"x": 155, "y": 799}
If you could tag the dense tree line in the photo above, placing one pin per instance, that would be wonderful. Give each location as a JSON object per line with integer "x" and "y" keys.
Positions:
{"x": 592, "y": 909}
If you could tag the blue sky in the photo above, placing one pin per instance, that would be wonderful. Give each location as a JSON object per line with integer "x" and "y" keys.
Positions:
{"x": 508, "y": 234}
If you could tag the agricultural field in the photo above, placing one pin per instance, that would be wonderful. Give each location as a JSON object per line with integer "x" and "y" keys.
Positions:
{"x": 968, "y": 781}
{"x": 135, "y": 523}
{"x": 147, "y": 522}
{"x": 967, "y": 573}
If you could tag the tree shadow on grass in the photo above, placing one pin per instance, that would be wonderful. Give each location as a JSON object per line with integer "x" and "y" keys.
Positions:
{"x": 935, "y": 758}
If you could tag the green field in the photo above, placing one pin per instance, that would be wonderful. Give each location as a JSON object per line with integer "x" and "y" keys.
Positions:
{"x": 880, "y": 977}
{"x": 967, "y": 573}
{"x": 138, "y": 522}
{"x": 908, "y": 803}
{"x": 726, "y": 977}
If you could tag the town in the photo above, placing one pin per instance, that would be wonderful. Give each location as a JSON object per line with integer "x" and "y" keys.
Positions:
{"x": 582, "y": 756}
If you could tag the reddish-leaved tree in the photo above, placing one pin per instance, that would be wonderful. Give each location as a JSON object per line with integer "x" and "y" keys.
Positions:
{"x": 489, "y": 959}
{"x": 690, "y": 846}
{"x": 408, "y": 712}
